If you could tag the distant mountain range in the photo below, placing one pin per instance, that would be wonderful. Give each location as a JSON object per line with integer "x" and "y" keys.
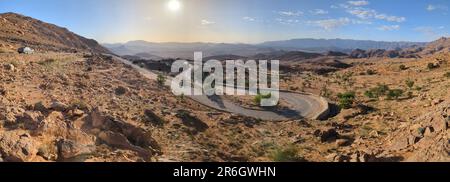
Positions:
{"x": 186, "y": 50}
{"x": 342, "y": 45}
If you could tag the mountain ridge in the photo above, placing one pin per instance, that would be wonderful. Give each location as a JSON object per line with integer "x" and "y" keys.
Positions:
{"x": 341, "y": 43}
{"x": 185, "y": 50}
{"x": 18, "y": 30}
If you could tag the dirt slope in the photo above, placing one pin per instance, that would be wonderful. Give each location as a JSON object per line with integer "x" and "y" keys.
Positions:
{"x": 18, "y": 30}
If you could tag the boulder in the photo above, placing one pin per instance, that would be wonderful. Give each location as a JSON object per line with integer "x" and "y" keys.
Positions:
{"x": 69, "y": 149}
{"x": 10, "y": 118}
{"x": 31, "y": 119}
{"x": 16, "y": 147}
{"x": 77, "y": 112}
{"x": 52, "y": 125}
{"x": 123, "y": 135}
{"x": 327, "y": 135}
{"x": 25, "y": 50}
{"x": 48, "y": 152}
{"x": 59, "y": 106}
{"x": 10, "y": 67}
{"x": 96, "y": 118}
{"x": 40, "y": 106}
{"x": 118, "y": 140}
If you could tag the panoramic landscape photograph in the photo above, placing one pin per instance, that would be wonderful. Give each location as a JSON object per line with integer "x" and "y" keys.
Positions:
{"x": 224, "y": 81}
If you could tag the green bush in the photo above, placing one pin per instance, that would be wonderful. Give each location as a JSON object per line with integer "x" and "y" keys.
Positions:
{"x": 259, "y": 97}
{"x": 409, "y": 83}
{"x": 384, "y": 90}
{"x": 288, "y": 154}
{"x": 369, "y": 94}
{"x": 161, "y": 79}
{"x": 394, "y": 94}
{"x": 346, "y": 100}
{"x": 380, "y": 90}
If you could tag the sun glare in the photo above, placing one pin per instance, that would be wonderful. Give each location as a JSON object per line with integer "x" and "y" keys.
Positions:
{"x": 174, "y": 5}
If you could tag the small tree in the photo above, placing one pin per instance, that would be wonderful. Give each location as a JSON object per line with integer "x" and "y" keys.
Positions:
{"x": 346, "y": 100}
{"x": 161, "y": 79}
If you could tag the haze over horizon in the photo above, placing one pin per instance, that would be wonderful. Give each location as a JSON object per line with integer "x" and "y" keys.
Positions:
{"x": 233, "y": 21}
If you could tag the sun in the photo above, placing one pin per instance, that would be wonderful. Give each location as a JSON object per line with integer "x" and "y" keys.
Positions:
{"x": 174, "y": 5}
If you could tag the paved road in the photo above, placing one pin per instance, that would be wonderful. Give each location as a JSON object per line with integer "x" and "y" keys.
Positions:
{"x": 303, "y": 105}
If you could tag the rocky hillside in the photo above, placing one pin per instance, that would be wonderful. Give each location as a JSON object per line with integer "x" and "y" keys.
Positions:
{"x": 338, "y": 44}
{"x": 18, "y": 30}
{"x": 440, "y": 45}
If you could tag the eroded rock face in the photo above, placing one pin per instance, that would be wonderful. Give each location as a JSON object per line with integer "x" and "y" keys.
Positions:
{"x": 122, "y": 135}
{"x": 120, "y": 141}
{"x": 52, "y": 125}
{"x": 427, "y": 138}
{"x": 69, "y": 149}
{"x": 70, "y": 142}
{"x": 17, "y": 147}
{"x": 55, "y": 111}
{"x": 30, "y": 119}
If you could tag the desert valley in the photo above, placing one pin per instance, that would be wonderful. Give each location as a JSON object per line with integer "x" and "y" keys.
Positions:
{"x": 73, "y": 99}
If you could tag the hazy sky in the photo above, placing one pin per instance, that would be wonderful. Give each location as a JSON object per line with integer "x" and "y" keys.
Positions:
{"x": 246, "y": 21}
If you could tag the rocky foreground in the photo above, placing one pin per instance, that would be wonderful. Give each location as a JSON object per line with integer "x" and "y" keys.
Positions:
{"x": 82, "y": 107}
{"x": 55, "y": 107}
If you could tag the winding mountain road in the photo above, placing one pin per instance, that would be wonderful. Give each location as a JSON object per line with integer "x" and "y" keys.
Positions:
{"x": 303, "y": 105}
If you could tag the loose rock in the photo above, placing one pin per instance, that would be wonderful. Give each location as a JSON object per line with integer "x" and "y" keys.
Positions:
{"x": 59, "y": 106}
